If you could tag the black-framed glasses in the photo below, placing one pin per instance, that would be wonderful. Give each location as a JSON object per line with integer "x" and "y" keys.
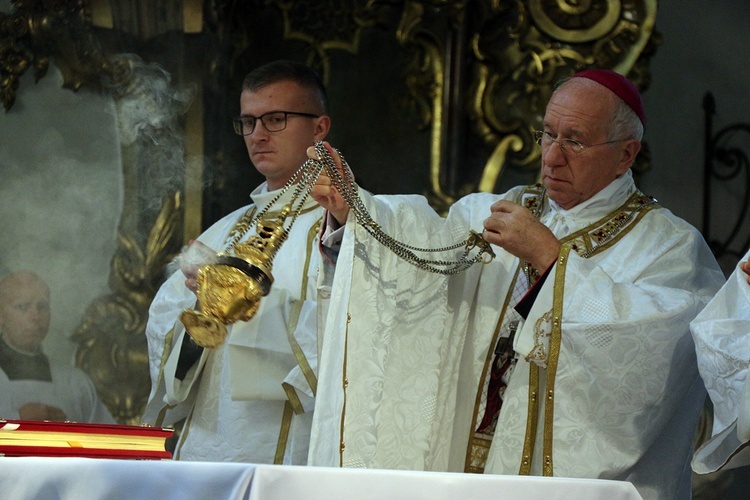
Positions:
{"x": 568, "y": 146}
{"x": 273, "y": 121}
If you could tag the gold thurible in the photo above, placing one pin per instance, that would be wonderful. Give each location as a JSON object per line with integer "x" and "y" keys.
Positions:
{"x": 230, "y": 288}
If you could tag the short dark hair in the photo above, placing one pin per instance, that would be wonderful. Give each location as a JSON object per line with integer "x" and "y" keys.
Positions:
{"x": 284, "y": 70}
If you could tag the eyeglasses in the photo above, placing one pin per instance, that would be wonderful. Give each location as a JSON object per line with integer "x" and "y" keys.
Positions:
{"x": 568, "y": 146}
{"x": 273, "y": 121}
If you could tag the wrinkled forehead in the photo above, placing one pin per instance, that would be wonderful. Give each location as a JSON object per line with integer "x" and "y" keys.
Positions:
{"x": 580, "y": 105}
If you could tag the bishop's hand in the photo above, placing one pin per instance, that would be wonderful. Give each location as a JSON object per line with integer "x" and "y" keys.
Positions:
{"x": 515, "y": 229}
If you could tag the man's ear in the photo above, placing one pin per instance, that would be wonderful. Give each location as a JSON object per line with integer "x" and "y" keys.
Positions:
{"x": 628, "y": 154}
{"x": 322, "y": 127}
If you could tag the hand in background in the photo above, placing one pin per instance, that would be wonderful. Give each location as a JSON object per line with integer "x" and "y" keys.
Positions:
{"x": 39, "y": 411}
{"x": 192, "y": 259}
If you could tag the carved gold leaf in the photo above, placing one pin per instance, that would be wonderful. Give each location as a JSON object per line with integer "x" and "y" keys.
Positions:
{"x": 522, "y": 49}
{"x": 112, "y": 346}
{"x": 37, "y": 32}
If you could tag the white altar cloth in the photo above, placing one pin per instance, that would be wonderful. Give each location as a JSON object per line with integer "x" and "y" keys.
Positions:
{"x": 38, "y": 478}
{"x": 319, "y": 483}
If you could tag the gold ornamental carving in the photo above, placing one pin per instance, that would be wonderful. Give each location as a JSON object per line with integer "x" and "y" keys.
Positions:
{"x": 112, "y": 346}
{"x": 37, "y": 32}
{"x": 521, "y": 49}
{"x": 323, "y": 26}
{"x": 575, "y": 21}
{"x": 489, "y": 64}
{"x": 484, "y": 66}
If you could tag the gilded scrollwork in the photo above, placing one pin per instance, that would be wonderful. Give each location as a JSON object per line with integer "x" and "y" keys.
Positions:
{"x": 37, "y": 32}
{"x": 522, "y": 48}
{"x": 490, "y": 63}
{"x": 429, "y": 30}
{"x": 111, "y": 342}
{"x": 575, "y": 21}
{"x": 112, "y": 345}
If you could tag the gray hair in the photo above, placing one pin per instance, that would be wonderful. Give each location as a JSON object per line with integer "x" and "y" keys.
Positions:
{"x": 624, "y": 124}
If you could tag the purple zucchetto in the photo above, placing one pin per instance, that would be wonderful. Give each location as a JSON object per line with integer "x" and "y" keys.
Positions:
{"x": 621, "y": 86}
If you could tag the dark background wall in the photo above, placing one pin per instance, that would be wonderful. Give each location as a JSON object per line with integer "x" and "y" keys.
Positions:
{"x": 704, "y": 48}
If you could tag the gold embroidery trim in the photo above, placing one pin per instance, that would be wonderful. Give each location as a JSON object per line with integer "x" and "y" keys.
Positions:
{"x": 164, "y": 355}
{"x": 344, "y": 385}
{"x": 162, "y": 415}
{"x": 609, "y": 229}
{"x": 293, "y": 404}
{"x": 538, "y": 353}
{"x": 531, "y": 422}
{"x": 587, "y": 242}
{"x": 485, "y": 371}
{"x": 240, "y": 226}
{"x": 299, "y": 354}
{"x": 533, "y": 198}
{"x": 286, "y": 424}
{"x": 554, "y": 355}
{"x": 293, "y": 398}
{"x": 184, "y": 433}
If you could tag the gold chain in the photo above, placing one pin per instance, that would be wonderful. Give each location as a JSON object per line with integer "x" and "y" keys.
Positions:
{"x": 532, "y": 274}
{"x": 345, "y": 185}
{"x": 303, "y": 181}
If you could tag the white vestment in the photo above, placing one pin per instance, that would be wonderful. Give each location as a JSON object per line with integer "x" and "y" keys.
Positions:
{"x": 722, "y": 339}
{"x": 404, "y": 350}
{"x": 256, "y": 391}
{"x": 70, "y": 390}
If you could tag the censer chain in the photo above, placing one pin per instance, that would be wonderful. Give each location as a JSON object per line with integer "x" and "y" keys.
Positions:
{"x": 303, "y": 182}
{"x": 344, "y": 183}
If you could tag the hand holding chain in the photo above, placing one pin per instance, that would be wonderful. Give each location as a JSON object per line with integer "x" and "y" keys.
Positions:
{"x": 345, "y": 185}
{"x": 230, "y": 288}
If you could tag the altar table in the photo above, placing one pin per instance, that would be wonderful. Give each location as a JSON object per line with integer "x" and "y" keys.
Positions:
{"x": 38, "y": 478}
